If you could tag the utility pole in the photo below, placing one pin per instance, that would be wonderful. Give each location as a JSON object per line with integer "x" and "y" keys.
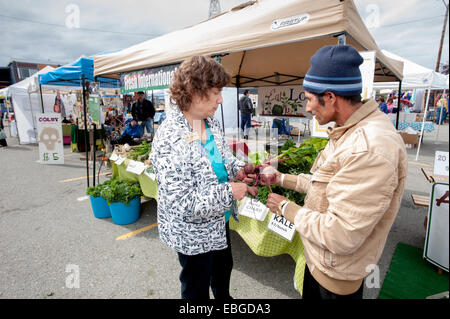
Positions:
{"x": 214, "y": 8}
{"x": 438, "y": 62}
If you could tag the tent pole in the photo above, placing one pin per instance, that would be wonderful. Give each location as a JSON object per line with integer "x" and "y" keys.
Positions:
{"x": 342, "y": 39}
{"x": 86, "y": 130}
{"x": 42, "y": 100}
{"x": 440, "y": 120}
{"x": 237, "y": 100}
{"x": 423, "y": 123}
{"x": 399, "y": 105}
{"x": 33, "y": 120}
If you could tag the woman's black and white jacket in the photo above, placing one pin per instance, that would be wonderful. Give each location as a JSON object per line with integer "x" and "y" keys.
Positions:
{"x": 191, "y": 202}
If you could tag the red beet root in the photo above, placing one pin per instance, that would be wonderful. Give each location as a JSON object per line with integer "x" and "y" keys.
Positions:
{"x": 249, "y": 168}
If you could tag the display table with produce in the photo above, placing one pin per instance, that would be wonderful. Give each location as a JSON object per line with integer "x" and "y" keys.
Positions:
{"x": 142, "y": 172}
{"x": 264, "y": 242}
{"x": 148, "y": 185}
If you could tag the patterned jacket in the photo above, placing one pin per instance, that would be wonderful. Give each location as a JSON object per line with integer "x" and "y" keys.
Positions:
{"x": 191, "y": 202}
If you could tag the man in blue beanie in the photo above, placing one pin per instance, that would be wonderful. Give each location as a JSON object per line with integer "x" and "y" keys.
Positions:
{"x": 356, "y": 183}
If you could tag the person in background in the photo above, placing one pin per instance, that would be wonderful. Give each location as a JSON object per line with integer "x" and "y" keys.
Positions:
{"x": 390, "y": 104}
{"x": 143, "y": 111}
{"x": 198, "y": 180}
{"x": 130, "y": 135}
{"x": 356, "y": 184}
{"x": 382, "y": 105}
{"x": 3, "y": 142}
{"x": 246, "y": 108}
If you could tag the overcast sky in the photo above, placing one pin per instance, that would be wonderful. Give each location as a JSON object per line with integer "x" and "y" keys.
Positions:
{"x": 47, "y": 30}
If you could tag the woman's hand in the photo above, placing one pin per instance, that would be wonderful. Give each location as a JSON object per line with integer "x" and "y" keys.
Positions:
{"x": 239, "y": 190}
{"x": 241, "y": 176}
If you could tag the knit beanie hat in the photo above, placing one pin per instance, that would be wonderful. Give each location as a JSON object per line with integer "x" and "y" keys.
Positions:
{"x": 335, "y": 68}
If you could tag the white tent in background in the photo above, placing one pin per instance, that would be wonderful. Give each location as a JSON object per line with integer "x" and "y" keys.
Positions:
{"x": 416, "y": 76}
{"x": 26, "y": 101}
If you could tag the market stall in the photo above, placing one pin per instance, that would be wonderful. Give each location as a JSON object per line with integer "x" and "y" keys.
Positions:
{"x": 27, "y": 103}
{"x": 87, "y": 113}
{"x": 260, "y": 43}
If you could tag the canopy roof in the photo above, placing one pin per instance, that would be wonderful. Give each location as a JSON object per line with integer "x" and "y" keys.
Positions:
{"x": 72, "y": 74}
{"x": 261, "y": 43}
{"x": 414, "y": 76}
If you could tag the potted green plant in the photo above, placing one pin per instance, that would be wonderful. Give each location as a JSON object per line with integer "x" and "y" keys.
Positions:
{"x": 124, "y": 200}
{"x": 100, "y": 207}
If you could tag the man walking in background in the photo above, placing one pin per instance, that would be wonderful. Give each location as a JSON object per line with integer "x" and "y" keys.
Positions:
{"x": 246, "y": 108}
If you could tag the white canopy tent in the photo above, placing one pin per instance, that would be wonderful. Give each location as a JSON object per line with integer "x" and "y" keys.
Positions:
{"x": 416, "y": 76}
{"x": 26, "y": 101}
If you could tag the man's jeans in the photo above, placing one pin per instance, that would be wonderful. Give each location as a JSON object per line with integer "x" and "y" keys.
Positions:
{"x": 246, "y": 123}
{"x": 147, "y": 124}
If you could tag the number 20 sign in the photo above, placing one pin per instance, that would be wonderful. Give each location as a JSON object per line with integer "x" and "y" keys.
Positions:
{"x": 441, "y": 163}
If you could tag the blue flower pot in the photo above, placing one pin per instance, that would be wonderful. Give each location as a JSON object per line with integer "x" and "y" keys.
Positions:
{"x": 125, "y": 214}
{"x": 100, "y": 207}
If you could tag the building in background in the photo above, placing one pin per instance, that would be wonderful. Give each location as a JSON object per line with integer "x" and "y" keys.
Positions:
{"x": 20, "y": 70}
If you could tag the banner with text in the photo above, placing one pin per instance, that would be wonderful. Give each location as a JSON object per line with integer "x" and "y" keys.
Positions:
{"x": 149, "y": 79}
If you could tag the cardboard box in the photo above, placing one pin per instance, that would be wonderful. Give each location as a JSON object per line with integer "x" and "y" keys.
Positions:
{"x": 412, "y": 139}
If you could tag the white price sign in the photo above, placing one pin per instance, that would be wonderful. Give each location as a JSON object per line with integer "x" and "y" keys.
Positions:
{"x": 441, "y": 163}
{"x": 114, "y": 157}
{"x": 281, "y": 226}
{"x": 120, "y": 160}
{"x": 135, "y": 167}
{"x": 253, "y": 208}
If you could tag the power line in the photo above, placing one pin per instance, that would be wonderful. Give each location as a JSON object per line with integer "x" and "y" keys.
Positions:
{"x": 412, "y": 21}
{"x": 81, "y": 29}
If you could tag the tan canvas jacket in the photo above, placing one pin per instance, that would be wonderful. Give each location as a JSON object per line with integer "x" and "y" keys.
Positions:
{"x": 353, "y": 196}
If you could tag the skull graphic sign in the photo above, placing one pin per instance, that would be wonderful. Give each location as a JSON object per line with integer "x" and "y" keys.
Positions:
{"x": 51, "y": 149}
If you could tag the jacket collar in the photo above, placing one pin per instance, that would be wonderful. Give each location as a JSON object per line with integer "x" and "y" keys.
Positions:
{"x": 181, "y": 119}
{"x": 367, "y": 108}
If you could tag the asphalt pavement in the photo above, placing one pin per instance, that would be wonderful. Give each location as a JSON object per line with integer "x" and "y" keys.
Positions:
{"x": 53, "y": 247}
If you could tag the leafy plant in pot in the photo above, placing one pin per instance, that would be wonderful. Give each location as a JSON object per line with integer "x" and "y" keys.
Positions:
{"x": 124, "y": 200}
{"x": 100, "y": 207}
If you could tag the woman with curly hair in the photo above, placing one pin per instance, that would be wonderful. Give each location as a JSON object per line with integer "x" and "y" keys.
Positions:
{"x": 196, "y": 174}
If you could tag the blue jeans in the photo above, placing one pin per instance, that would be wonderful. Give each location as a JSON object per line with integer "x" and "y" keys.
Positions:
{"x": 148, "y": 125}
{"x": 246, "y": 123}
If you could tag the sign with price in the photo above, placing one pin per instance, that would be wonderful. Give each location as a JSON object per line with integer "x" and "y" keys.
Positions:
{"x": 253, "y": 208}
{"x": 51, "y": 149}
{"x": 436, "y": 248}
{"x": 441, "y": 163}
{"x": 281, "y": 226}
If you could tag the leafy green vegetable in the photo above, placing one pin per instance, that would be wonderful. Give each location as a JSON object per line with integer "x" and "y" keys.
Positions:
{"x": 140, "y": 152}
{"x": 114, "y": 191}
{"x": 121, "y": 191}
{"x": 293, "y": 160}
